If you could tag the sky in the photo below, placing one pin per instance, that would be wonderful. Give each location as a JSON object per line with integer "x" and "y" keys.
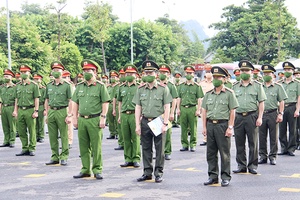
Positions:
{"x": 205, "y": 12}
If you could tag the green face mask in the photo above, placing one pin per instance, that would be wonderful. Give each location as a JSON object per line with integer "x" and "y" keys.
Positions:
{"x": 298, "y": 79}
{"x": 129, "y": 78}
{"x": 6, "y": 80}
{"x": 112, "y": 80}
{"x": 188, "y": 77}
{"x": 238, "y": 78}
{"x": 149, "y": 79}
{"x": 138, "y": 81}
{"x": 217, "y": 83}
{"x": 56, "y": 74}
{"x": 162, "y": 77}
{"x": 267, "y": 78}
{"x": 88, "y": 76}
{"x": 245, "y": 76}
{"x": 255, "y": 76}
{"x": 24, "y": 76}
{"x": 144, "y": 79}
{"x": 122, "y": 79}
{"x": 177, "y": 80}
{"x": 287, "y": 74}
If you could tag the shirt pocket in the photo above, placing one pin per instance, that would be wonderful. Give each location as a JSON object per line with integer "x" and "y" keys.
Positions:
{"x": 292, "y": 94}
{"x": 94, "y": 96}
{"x": 29, "y": 94}
{"x": 210, "y": 104}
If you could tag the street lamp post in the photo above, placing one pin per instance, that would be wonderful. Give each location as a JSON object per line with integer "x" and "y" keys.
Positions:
{"x": 131, "y": 32}
{"x": 8, "y": 36}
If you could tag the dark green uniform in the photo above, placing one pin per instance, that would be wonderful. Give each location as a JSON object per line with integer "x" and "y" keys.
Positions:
{"x": 245, "y": 122}
{"x": 176, "y": 121}
{"x": 40, "y": 133}
{"x": 152, "y": 102}
{"x": 89, "y": 99}
{"x": 112, "y": 120}
{"x": 27, "y": 92}
{"x": 8, "y": 97}
{"x": 218, "y": 107}
{"x": 189, "y": 95}
{"x": 132, "y": 151}
{"x": 228, "y": 84}
{"x": 120, "y": 134}
{"x": 58, "y": 96}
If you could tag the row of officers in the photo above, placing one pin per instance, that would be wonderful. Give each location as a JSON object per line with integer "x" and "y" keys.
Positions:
{"x": 247, "y": 109}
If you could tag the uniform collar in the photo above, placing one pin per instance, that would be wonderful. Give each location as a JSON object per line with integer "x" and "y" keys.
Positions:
{"x": 61, "y": 81}
{"x": 250, "y": 83}
{"x": 222, "y": 90}
{"x": 154, "y": 86}
{"x": 133, "y": 84}
{"x": 192, "y": 83}
{"x": 93, "y": 83}
{"x": 272, "y": 84}
{"x": 26, "y": 82}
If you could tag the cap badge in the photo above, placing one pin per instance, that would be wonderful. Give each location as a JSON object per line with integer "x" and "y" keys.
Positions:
{"x": 244, "y": 64}
{"x": 85, "y": 63}
{"x": 148, "y": 64}
{"x": 216, "y": 70}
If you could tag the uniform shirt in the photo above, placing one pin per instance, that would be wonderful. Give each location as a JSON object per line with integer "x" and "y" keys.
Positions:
{"x": 90, "y": 97}
{"x": 152, "y": 100}
{"x": 125, "y": 95}
{"x": 275, "y": 93}
{"x": 206, "y": 86}
{"x": 249, "y": 96}
{"x": 228, "y": 84}
{"x": 218, "y": 106}
{"x": 190, "y": 93}
{"x": 58, "y": 95}
{"x": 111, "y": 91}
{"x": 173, "y": 90}
{"x": 27, "y": 92}
{"x": 8, "y": 94}
{"x": 292, "y": 90}
{"x": 42, "y": 97}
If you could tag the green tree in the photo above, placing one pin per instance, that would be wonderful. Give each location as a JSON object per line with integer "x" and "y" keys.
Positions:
{"x": 220, "y": 57}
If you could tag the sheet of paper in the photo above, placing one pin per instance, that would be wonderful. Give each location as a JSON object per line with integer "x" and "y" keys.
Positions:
{"x": 156, "y": 125}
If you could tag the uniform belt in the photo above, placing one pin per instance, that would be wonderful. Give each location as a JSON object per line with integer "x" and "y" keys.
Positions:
{"x": 217, "y": 121}
{"x": 244, "y": 114}
{"x": 289, "y": 104}
{"x": 89, "y": 116}
{"x": 149, "y": 119}
{"x": 128, "y": 112}
{"x": 26, "y": 107}
{"x": 188, "y": 106}
{"x": 270, "y": 111}
{"x": 58, "y": 108}
{"x": 5, "y": 105}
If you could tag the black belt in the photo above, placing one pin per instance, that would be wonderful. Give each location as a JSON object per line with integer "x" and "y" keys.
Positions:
{"x": 58, "y": 108}
{"x": 289, "y": 104}
{"x": 25, "y": 107}
{"x": 149, "y": 119}
{"x": 189, "y": 106}
{"x": 270, "y": 111}
{"x": 128, "y": 112}
{"x": 89, "y": 116}
{"x": 217, "y": 121}
{"x": 244, "y": 114}
{"x": 5, "y": 105}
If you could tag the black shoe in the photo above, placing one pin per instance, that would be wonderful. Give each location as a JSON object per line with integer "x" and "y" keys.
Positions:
{"x": 4, "y": 145}
{"x": 298, "y": 148}
{"x": 136, "y": 164}
{"x": 98, "y": 176}
{"x": 273, "y": 162}
{"x": 167, "y": 157}
{"x": 144, "y": 178}
{"x": 52, "y": 162}
{"x": 211, "y": 181}
{"x": 12, "y": 145}
{"x": 32, "y": 153}
{"x": 175, "y": 126}
{"x": 23, "y": 153}
{"x": 193, "y": 149}
{"x": 203, "y": 144}
{"x": 291, "y": 153}
{"x": 119, "y": 148}
{"x": 262, "y": 161}
{"x": 282, "y": 153}
{"x": 184, "y": 149}
{"x": 127, "y": 164}
{"x": 158, "y": 179}
{"x": 111, "y": 137}
{"x": 239, "y": 171}
{"x": 63, "y": 162}
{"x": 81, "y": 175}
{"x": 17, "y": 135}
{"x": 252, "y": 171}
{"x": 225, "y": 183}
{"x": 70, "y": 147}
{"x": 42, "y": 140}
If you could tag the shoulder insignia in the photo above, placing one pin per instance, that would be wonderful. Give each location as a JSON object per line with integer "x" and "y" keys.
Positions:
{"x": 80, "y": 83}
{"x": 100, "y": 82}
{"x": 255, "y": 81}
{"x": 236, "y": 82}
{"x": 51, "y": 82}
{"x": 228, "y": 89}
{"x": 196, "y": 83}
{"x": 33, "y": 82}
{"x": 279, "y": 81}
{"x": 171, "y": 83}
{"x": 142, "y": 85}
{"x": 209, "y": 91}
{"x": 297, "y": 80}
{"x": 67, "y": 82}
{"x": 161, "y": 85}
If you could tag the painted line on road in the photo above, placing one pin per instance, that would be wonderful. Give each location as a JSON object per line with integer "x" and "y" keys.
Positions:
{"x": 188, "y": 169}
{"x": 247, "y": 173}
{"x": 34, "y": 175}
{"x": 289, "y": 190}
{"x": 292, "y": 176}
{"x": 112, "y": 195}
{"x": 21, "y": 163}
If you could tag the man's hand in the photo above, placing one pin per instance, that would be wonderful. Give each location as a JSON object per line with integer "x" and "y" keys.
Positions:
{"x": 35, "y": 114}
{"x": 138, "y": 130}
{"x": 102, "y": 122}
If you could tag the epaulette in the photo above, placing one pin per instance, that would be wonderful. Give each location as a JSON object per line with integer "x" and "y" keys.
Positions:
{"x": 297, "y": 80}
{"x": 197, "y": 83}
{"x": 33, "y": 82}
{"x": 171, "y": 82}
{"x": 209, "y": 91}
{"x": 51, "y": 82}
{"x": 100, "y": 82}
{"x": 255, "y": 81}
{"x": 65, "y": 81}
{"x": 80, "y": 83}
{"x": 121, "y": 84}
{"x": 18, "y": 83}
{"x": 230, "y": 90}
{"x": 161, "y": 85}
{"x": 142, "y": 85}
{"x": 236, "y": 82}
{"x": 280, "y": 81}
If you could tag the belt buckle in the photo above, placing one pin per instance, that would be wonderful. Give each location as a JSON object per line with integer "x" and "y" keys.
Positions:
{"x": 149, "y": 119}
{"x": 244, "y": 113}
{"x": 86, "y": 117}
{"x": 5, "y": 104}
{"x": 186, "y": 106}
{"x": 286, "y": 105}
{"x": 24, "y": 108}
{"x": 54, "y": 108}
{"x": 214, "y": 121}
{"x": 128, "y": 112}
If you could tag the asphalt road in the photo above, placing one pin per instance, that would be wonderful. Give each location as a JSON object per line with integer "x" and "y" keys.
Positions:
{"x": 29, "y": 178}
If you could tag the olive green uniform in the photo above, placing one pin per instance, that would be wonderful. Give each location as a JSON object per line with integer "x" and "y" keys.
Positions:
{"x": 27, "y": 92}
{"x": 8, "y": 97}
{"x": 228, "y": 84}
{"x": 245, "y": 122}
{"x": 176, "y": 121}
{"x": 152, "y": 102}
{"x": 40, "y": 133}
{"x": 189, "y": 95}
{"x": 58, "y": 96}
{"x": 218, "y": 107}
{"x": 112, "y": 120}
{"x": 132, "y": 150}
{"x": 89, "y": 99}
{"x": 275, "y": 93}
{"x": 120, "y": 134}
{"x": 293, "y": 92}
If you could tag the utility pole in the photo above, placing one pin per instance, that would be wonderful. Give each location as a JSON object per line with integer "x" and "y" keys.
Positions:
{"x": 8, "y": 36}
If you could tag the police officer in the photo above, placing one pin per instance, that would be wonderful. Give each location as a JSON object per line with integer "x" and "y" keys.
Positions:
{"x": 26, "y": 110}
{"x": 152, "y": 100}
{"x": 177, "y": 77}
{"x": 291, "y": 111}
{"x": 189, "y": 106}
{"x": 218, "y": 116}
{"x": 256, "y": 75}
{"x": 8, "y": 97}
{"x": 132, "y": 151}
{"x": 251, "y": 97}
{"x": 164, "y": 75}
{"x": 58, "y": 111}
{"x": 297, "y": 77}
{"x": 237, "y": 74}
{"x": 273, "y": 113}
{"x": 111, "y": 113}
{"x": 90, "y": 106}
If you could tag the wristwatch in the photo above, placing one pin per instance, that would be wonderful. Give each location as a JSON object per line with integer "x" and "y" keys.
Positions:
{"x": 166, "y": 124}
{"x": 103, "y": 116}
{"x": 36, "y": 110}
{"x": 280, "y": 113}
{"x": 230, "y": 127}
{"x": 70, "y": 115}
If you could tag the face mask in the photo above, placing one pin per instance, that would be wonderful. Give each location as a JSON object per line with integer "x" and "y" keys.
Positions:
{"x": 287, "y": 74}
{"x": 129, "y": 78}
{"x": 189, "y": 77}
{"x": 80, "y": 79}
{"x": 56, "y": 74}
{"x": 255, "y": 76}
{"x": 122, "y": 79}
{"x": 298, "y": 79}
{"x": 162, "y": 77}
{"x": 112, "y": 80}
{"x": 217, "y": 83}
{"x": 149, "y": 79}
{"x": 88, "y": 76}
{"x": 177, "y": 80}
{"x": 144, "y": 79}
{"x": 24, "y": 76}
{"x": 267, "y": 78}
{"x": 245, "y": 76}
{"x": 6, "y": 80}
{"x": 238, "y": 78}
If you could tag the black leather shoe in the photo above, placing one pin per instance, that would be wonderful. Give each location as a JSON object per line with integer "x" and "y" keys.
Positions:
{"x": 184, "y": 149}
{"x": 63, "y": 162}
{"x": 167, "y": 157}
{"x": 252, "y": 171}
{"x": 42, "y": 140}
{"x": 273, "y": 162}
{"x": 211, "y": 181}
{"x": 98, "y": 176}
{"x": 12, "y": 145}
{"x": 17, "y": 135}
{"x": 4, "y": 145}
{"x": 239, "y": 171}
{"x": 282, "y": 153}
{"x": 158, "y": 179}
{"x": 32, "y": 153}
{"x": 119, "y": 148}
{"x": 203, "y": 144}
{"x": 144, "y": 178}
{"x": 291, "y": 153}
{"x": 262, "y": 161}
{"x": 298, "y": 147}
{"x": 111, "y": 137}
{"x": 23, "y": 153}
{"x": 193, "y": 149}
{"x": 70, "y": 146}
{"x": 81, "y": 175}
{"x": 225, "y": 183}
{"x": 127, "y": 164}
{"x": 52, "y": 162}
{"x": 136, "y": 164}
